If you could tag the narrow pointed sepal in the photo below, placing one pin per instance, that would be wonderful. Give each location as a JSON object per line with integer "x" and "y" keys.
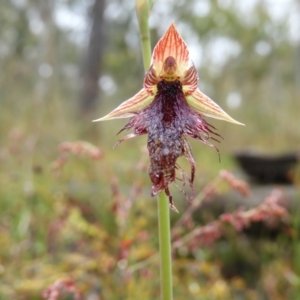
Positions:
{"x": 207, "y": 107}
{"x": 129, "y": 107}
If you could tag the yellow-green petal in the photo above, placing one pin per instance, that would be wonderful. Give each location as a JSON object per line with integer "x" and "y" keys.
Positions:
{"x": 207, "y": 107}
{"x": 129, "y": 107}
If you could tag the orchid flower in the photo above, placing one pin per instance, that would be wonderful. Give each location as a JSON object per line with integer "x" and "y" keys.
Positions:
{"x": 169, "y": 108}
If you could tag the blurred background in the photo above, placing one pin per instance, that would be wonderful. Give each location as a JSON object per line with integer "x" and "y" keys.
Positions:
{"x": 77, "y": 220}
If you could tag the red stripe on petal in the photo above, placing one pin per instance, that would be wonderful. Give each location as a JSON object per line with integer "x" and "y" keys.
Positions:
{"x": 129, "y": 107}
{"x": 190, "y": 81}
{"x": 207, "y": 107}
{"x": 150, "y": 81}
{"x": 171, "y": 44}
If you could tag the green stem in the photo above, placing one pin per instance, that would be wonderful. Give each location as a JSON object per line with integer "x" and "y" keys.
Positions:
{"x": 143, "y": 11}
{"x": 165, "y": 246}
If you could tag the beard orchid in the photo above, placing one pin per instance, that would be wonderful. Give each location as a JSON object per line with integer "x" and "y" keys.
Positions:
{"x": 169, "y": 108}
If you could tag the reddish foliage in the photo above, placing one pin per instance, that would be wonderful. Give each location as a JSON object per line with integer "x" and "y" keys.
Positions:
{"x": 80, "y": 148}
{"x": 61, "y": 288}
{"x": 270, "y": 212}
{"x": 235, "y": 183}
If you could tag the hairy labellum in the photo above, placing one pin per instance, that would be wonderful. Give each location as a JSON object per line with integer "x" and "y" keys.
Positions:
{"x": 168, "y": 120}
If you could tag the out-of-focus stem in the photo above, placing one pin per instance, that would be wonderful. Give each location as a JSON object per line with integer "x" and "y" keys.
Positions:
{"x": 143, "y": 11}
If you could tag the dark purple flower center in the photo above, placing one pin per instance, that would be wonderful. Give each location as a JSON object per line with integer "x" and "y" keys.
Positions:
{"x": 167, "y": 121}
